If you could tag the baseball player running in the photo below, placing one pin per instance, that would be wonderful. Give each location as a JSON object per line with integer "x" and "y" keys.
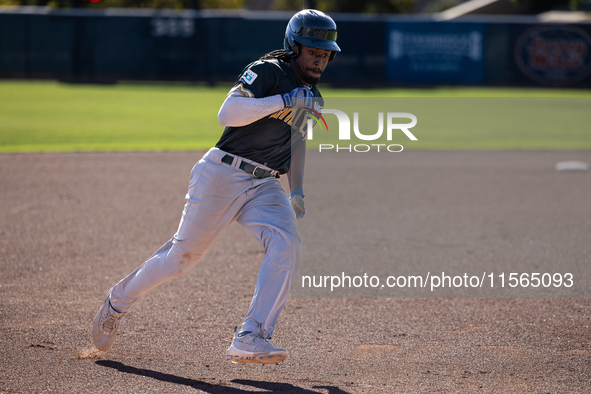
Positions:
{"x": 237, "y": 180}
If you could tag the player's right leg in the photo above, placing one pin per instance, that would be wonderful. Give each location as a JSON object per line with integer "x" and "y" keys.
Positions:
{"x": 253, "y": 347}
{"x": 271, "y": 219}
{"x": 216, "y": 194}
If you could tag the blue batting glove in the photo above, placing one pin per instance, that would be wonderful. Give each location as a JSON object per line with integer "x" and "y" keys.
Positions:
{"x": 298, "y": 98}
{"x": 296, "y": 192}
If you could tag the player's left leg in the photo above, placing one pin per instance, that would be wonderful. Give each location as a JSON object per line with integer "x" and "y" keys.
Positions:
{"x": 216, "y": 194}
{"x": 270, "y": 218}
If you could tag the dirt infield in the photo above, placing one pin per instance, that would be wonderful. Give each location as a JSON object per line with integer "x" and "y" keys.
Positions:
{"x": 74, "y": 224}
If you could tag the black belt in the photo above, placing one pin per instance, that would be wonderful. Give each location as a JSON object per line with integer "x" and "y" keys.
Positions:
{"x": 253, "y": 170}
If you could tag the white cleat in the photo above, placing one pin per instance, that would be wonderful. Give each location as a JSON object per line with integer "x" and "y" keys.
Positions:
{"x": 106, "y": 324}
{"x": 252, "y": 347}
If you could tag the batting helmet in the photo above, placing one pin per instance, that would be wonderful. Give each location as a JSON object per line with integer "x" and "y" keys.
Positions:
{"x": 313, "y": 29}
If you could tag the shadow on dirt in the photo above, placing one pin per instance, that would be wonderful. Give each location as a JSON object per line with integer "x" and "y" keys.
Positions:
{"x": 266, "y": 387}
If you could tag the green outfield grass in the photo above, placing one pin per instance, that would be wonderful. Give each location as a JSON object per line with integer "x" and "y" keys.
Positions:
{"x": 57, "y": 117}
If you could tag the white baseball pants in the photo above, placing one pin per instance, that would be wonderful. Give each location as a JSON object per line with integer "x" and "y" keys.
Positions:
{"x": 218, "y": 195}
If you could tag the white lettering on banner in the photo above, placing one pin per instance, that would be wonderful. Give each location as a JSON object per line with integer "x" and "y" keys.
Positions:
{"x": 173, "y": 27}
{"x": 457, "y": 44}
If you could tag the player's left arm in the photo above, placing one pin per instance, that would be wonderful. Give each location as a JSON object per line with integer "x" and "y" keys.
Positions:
{"x": 295, "y": 177}
{"x": 241, "y": 107}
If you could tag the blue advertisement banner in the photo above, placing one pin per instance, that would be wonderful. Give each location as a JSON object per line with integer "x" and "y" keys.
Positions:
{"x": 427, "y": 52}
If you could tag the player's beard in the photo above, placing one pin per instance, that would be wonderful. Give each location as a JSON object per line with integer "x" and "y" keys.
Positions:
{"x": 303, "y": 73}
{"x": 310, "y": 79}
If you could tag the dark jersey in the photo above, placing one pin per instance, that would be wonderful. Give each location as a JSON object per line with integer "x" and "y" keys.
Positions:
{"x": 270, "y": 140}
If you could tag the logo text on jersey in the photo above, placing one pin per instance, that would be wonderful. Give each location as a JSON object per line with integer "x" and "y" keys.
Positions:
{"x": 249, "y": 76}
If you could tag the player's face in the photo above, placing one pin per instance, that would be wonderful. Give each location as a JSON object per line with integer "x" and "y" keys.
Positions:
{"x": 310, "y": 64}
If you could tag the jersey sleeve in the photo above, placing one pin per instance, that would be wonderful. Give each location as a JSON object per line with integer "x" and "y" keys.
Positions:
{"x": 257, "y": 80}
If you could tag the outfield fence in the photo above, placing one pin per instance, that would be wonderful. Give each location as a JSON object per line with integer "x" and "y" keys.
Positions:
{"x": 107, "y": 45}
